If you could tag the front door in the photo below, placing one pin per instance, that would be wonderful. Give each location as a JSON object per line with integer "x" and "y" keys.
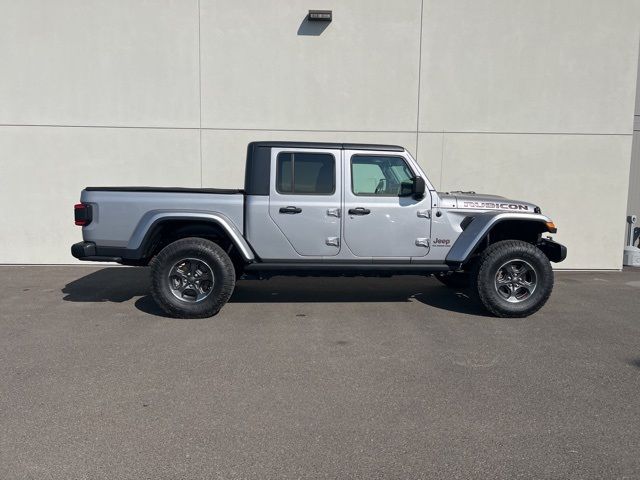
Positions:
{"x": 378, "y": 222}
{"x": 304, "y": 201}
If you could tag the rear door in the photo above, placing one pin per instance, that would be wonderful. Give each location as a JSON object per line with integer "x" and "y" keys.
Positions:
{"x": 305, "y": 196}
{"x": 378, "y": 222}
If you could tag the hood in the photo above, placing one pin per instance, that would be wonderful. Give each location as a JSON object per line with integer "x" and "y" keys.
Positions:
{"x": 478, "y": 201}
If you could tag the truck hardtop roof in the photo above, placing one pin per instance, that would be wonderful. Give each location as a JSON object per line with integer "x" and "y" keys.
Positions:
{"x": 258, "y": 170}
{"x": 340, "y": 146}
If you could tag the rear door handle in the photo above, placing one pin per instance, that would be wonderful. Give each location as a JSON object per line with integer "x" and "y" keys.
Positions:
{"x": 290, "y": 210}
{"x": 359, "y": 211}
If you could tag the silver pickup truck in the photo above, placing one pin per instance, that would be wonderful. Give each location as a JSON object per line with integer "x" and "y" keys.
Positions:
{"x": 321, "y": 209}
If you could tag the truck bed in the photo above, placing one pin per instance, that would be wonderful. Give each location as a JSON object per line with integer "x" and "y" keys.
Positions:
{"x": 123, "y": 215}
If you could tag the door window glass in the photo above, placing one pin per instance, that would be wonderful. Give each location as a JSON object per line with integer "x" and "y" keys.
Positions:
{"x": 305, "y": 173}
{"x": 378, "y": 175}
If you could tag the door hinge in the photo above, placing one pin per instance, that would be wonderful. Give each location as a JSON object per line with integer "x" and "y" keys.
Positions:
{"x": 424, "y": 213}
{"x": 422, "y": 242}
{"x": 333, "y": 212}
{"x": 333, "y": 241}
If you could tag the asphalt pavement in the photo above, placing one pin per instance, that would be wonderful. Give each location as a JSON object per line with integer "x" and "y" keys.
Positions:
{"x": 315, "y": 378}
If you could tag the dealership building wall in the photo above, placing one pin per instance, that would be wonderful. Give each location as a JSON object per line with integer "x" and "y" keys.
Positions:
{"x": 532, "y": 99}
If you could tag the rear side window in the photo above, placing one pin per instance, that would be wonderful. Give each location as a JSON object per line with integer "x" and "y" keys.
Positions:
{"x": 305, "y": 173}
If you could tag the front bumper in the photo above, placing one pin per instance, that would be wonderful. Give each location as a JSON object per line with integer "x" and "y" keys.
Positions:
{"x": 87, "y": 251}
{"x": 553, "y": 250}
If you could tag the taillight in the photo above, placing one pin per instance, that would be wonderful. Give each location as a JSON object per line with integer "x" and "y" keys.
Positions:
{"x": 82, "y": 214}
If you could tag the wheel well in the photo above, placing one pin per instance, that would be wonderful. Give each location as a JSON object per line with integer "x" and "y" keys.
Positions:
{"x": 525, "y": 230}
{"x": 165, "y": 232}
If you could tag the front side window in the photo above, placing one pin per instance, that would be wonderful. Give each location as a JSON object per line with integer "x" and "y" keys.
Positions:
{"x": 378, "y": 175}
{"x": 305, "y": 173}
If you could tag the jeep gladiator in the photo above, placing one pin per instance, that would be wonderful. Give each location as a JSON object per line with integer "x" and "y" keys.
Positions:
{"x": 321, "y": 209}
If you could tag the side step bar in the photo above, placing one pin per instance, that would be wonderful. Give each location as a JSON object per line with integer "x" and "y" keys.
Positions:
{"x": 318, "y": 269}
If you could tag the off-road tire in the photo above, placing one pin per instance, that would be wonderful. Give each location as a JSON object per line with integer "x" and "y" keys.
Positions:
{"x": 200, "y": 249}
{"x": 455, "y": 280}
{"x": 486, "y": 271}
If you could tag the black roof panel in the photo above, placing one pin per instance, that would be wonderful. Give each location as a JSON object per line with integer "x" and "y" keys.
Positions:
{"x": 341, "y": 146}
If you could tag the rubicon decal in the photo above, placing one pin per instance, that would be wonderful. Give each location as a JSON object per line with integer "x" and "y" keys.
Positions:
{"x": 496, "y": 206}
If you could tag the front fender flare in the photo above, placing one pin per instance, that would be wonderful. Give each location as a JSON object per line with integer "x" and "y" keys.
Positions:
{"x": 478, "y": 229}
{"x": 154, "y": 217}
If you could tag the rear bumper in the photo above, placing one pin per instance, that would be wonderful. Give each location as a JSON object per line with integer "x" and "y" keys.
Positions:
{"x": 554, "y": 251}
{"x": 87, "y": 251}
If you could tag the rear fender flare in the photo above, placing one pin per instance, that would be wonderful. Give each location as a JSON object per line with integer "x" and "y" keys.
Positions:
{"x": 480, "y": 227}
{"x": 155, "y": 217}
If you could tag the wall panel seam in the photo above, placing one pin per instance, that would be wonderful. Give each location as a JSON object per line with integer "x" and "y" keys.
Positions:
{"x": 234, "y": 129}
{"x": 419, "y": 77}
{"x": 200, "y": 88}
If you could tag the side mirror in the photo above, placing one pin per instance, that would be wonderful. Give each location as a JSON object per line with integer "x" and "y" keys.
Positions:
{"x": 419, "y": 187}
{"x": 414, "y": 188}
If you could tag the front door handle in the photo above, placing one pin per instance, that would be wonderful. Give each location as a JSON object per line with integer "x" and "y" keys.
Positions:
{"x": 290, "y": 210}
{"x": 359, "y": 211}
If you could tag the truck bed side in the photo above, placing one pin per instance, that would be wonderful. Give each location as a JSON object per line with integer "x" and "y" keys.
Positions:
{"x": 121, "y": 216}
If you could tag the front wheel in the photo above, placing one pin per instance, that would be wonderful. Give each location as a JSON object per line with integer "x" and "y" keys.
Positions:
{"x": 192, "y": 278}
{"x": 513, "y": 278}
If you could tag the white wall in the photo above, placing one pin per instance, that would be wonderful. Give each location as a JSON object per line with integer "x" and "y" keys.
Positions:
{"x": 90, "y": 62}
{"x": 532, "y": 99}
{"x": 361, "y": 73}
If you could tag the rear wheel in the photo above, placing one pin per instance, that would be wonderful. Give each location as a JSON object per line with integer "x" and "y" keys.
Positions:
{"x": 513, "y": 278}
{"x": 192, "y": 278}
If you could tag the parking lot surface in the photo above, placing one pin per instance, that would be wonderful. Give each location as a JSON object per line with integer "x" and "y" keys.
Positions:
{"x": 315, "y": 378}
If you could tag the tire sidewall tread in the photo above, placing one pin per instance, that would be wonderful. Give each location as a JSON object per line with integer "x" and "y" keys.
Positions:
{"x": 496, "y": 255}
{"x": 200, "y": 248}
